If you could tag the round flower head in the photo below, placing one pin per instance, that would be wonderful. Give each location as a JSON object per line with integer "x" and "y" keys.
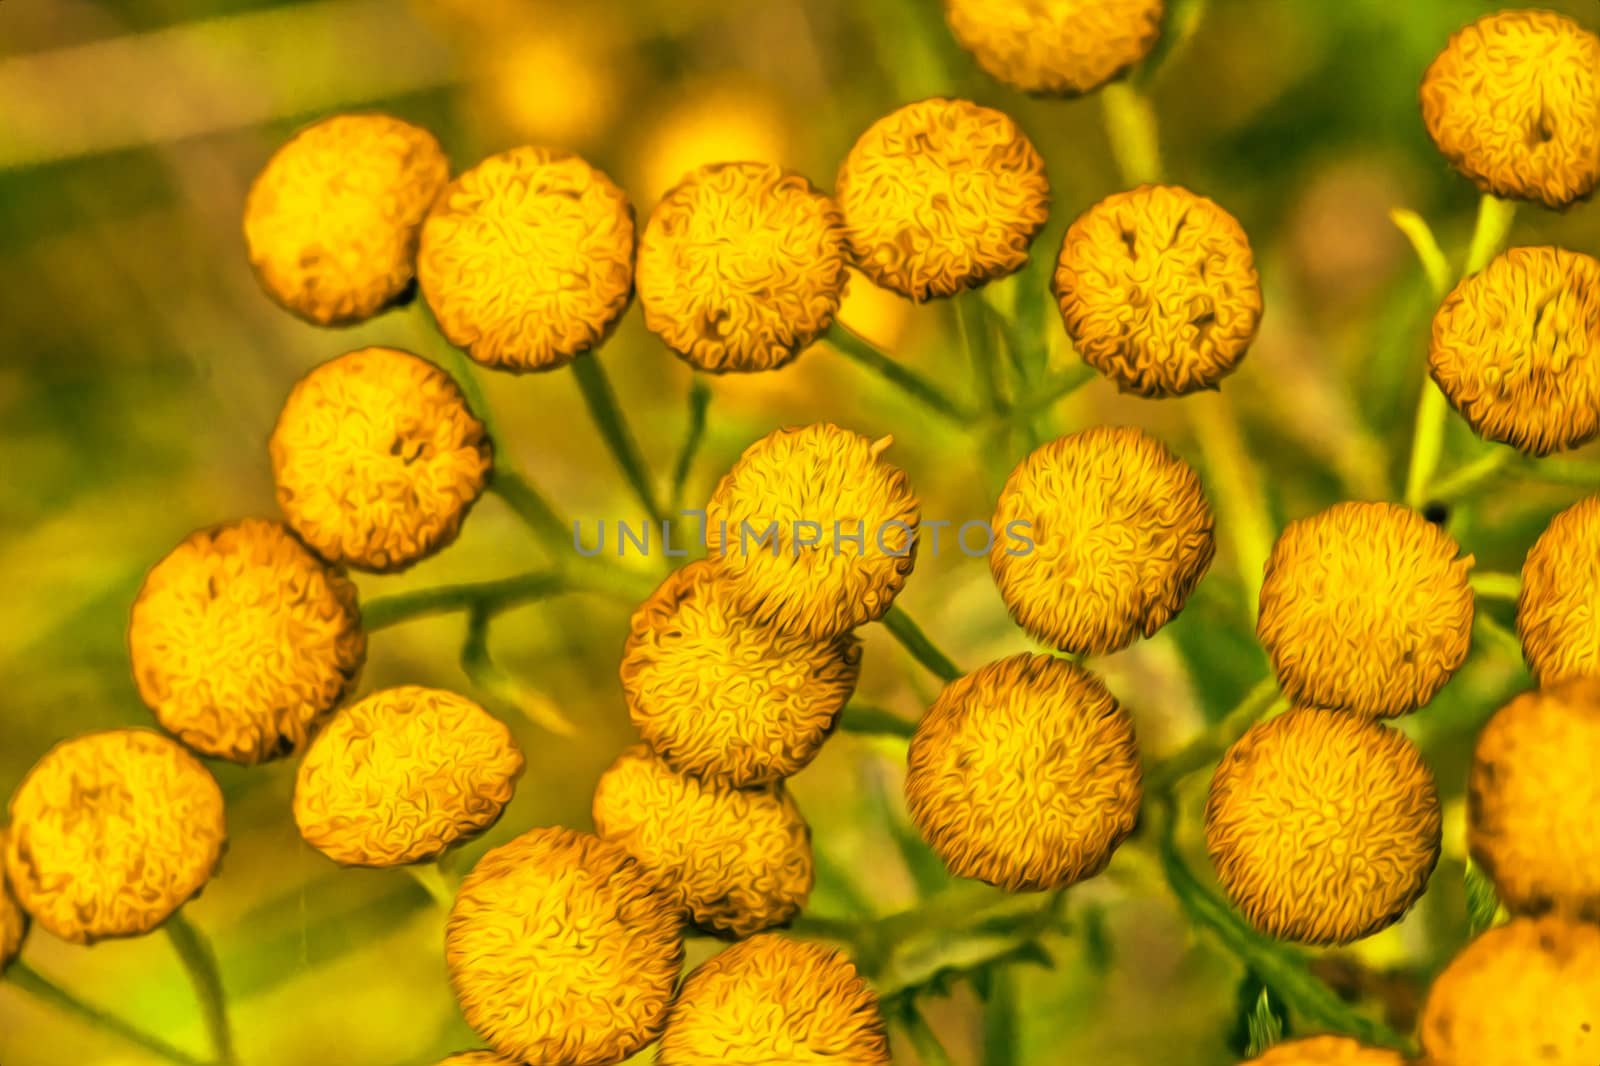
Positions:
{"x": 722, "y": 699}
{"x": 1326, "y": 1051}
{"x": 738, "y": 860}
{"x": 402, "y": 775}
{"x": 770, "y": 999}
{"x": 477, "y": 1058}
{"x": 1532, "y": 799}
{"x": 1516, "y": 348}
{"x": 1059, "y": 47}
{"x": 1365, "y": 607}
{"x": 331, "y": 222}
{"x": 1100, "y": 537}
{"x": 1025, "y": 774}
{"x": 241, "y": 640}
{"x": 527, "y": 259}
{"x": 1158, "y": 290}
{"x": 813, "y": 531}
{"x": 1524, "y": 992}
{"x": 741, "y": 267}
{"x": 1513, "y": 102}
{"x": 942, "y": 196}
{"x": 561, "y": 951}
{"x": 378, "y": 459}
{"x": 111, "y": 833}
{"x": 1556, "y": 620}
{"x": 13, "y": 919}
{"x": 1323, "y": 826}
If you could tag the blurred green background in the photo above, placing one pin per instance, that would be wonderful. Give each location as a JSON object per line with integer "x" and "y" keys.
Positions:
{"x": 143, "y": 371}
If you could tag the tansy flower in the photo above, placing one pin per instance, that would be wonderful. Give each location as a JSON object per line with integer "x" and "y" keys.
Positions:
{"x": 1025, "y": 774}
{"x": 1100, "y": 537}
{"x": 111, "y": 833}
{"x": 377, "y": 459}
{"x": 402, "y": 775}
{"x": 13, "y": 919}
{"x": 527, "y": 259}
{"x": 741, "y": 266}
{"x": 331, "y": 222}
{"x": 561, "y": 951}
{"x": 1532, "y": 800}
{"x": 1513, "y": 102}
{"x": 1060, "y": 47}
{"x": 813, "y": 531}
{"x": 1556, "y": 620}
{"x": 477, "y": 1058}
{"x": 942, "y": 196}
{"x": 737, "y": 860}
{"x": 722, "y": 699}
{"x": 1365, "y": 607}
{"x": 1327, "y": 1051}
{"x": 1524, "y": 992}
{"x": 770, "y": 999}
{"x": 241, "y": 639}
{"x": 1158, "y": 290}
{"x": 1323, "y": 826}
{"x": 1516, "y": 348}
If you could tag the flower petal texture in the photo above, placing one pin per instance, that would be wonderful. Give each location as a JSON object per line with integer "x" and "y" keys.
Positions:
{"x": 241, "y": 640}
{"x": 1323, "y": 826}
{"x": 1556, "y": 619}
{"x": 477, "y": 1058}
{"x": 1327, "y": 1051}
{"x": 1055, "y": 47}
{"x": 942, "y": 196}
{"x": 1100, "y": 537}
{"x": 111, "y": 833}
{"x": 13, "y": 919}
{"x": 377, "y": 459}
{"x": 1025, "y": 774}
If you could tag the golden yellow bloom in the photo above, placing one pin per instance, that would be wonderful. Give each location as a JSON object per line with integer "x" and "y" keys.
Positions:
{"x": 111, "y": 833}
{"x": 1099, "y": 538}
{"x": 1532, "y": 800}
{"x": 561, "y": 951}
{"x": 1524, "y": 992}
{"x": 377, "y": 459}
{"x": 241, "y": 640}
{"x": 813, "y": 531}
{"x": 1365, "y": 607}
{"x": 1060, "y": 47}
{"x": 1025, "y": 774}
{"x": 1556, "y": 620}
{"x": 738, "y": 860}
{"x": 13, "y": 919}
{"x": 723, "y": 699}
{"x": 1513, "y": 102}
{"x": 942, "y": 196}
{"x": 402, "y": 775}
{"x": 527, "y": 259}
{"x": 1323, "y": 826}
{"x": 477, "y": 1058}
{"x": 768, "y": 1000}
{"x": 1158, "y": 290}
{"x": 332, "y": 221}
{"x": 1327, "y": 1051}
{"x": 741, "y": 266}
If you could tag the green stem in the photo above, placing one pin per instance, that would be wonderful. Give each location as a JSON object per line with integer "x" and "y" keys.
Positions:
{"x": 1493, "y": 633}
{"x": 1048, "y": 393}
{"x": 923, "y": 1038}
{"x": 1210, "y": 745}
{"x": 915, "y": 641}
{"x": 455, "y": 362}
{"x": 1435, "y": 267}
{"x": 603, "y": 408}
{"x": 20, "y": 975}
{"x": 694, "y": 436}
{"x": 973, "y": 324}
{"x": 494, "y": 680}
{"x": 1492, "y": 586}
{"x": 198, "y": 958}
{"x": 535, "y": 511}
{"x": 1469, "y": 478}
{"x": 434, "y": 882}
{"x": 488, "y": 596}
{"x": 875, "y": 721}
{"x": 1566, "y": 472}
{"x": 1490, "y": 233}
{"x": 1001, "y": 1038}
{"x": 1131, "y": 127}
{"x": 859, "y": 351}
{"x": 1236, "y": 488}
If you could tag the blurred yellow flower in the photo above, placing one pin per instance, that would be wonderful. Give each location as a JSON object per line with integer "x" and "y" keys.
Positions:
{"x": 13, "y": 919}
{"x": 477, "y": 1058}
{"x": 552, "y": 82}
{"x": 707, "y": 123}
{"x": 1327, "y": 1051}
{"x": 1061, "y": 47}
{"x": 1556, "y": 620}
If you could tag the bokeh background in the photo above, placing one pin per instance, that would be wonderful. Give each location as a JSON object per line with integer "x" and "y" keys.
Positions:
{"x": 142, "y": 372}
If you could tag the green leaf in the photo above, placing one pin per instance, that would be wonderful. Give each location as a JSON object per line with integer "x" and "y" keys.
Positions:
{"x": 1266, "y": 1028}
{"x": 1483, "y": 905}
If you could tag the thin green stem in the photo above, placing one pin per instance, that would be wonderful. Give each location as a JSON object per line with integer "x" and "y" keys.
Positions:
{"x": 1490, "y": 233}
{"x": 1435, "y": 267}
{"x": 915, "y": 641}
{"x": 494, "y": 680}
{"x": 1131, "y": 127}
{"x": 601, "y": 399}
{"x": 694, "y": 436}
{"x": 922, "y": 1037}
{"x": 200, "y": 960}
{"x": 859, "y": 351}
{"x": 489, "y": 596}
{"x": 1178, "y": 28}
{"x": 1048, "y": 393}
{"x": 973, "y": 324}
{"x": 1566, "y": 472}
{"x": 20, "y": 975}
{"x": 455, "y": 363}
{"x": 530, "y": 505}
{"x": 1236, "y": 488}
{"x": 1210, "y": 745}
{"x": 1492, "y": 586}
{"x": 1467, "y": 479}
{"x": 875, "y": 721}
{"x": 433, "y": 881}
{"x": 1001, "y": 1038}
{"x": 1498, "y": 636}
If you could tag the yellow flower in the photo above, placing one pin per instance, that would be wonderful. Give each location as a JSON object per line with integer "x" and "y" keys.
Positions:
{"x": 241, "y": 640}
{"x": 1158, "y": 290}
{"x": 1516, "y": 348}
{"x": 1513, "y": 102}
{"x": 562, "y": 952}
{"x": 813, "y": 532}
{"x": 1327, "y": 1051}
{"x": 768, "y": 1000}
{"x": 741, "y": 267}
{"x": 477, "y": 1058}
{"x": 527, "y": 259}
{"x": 1556, "y": 620}
{"x": 1099, "y": 538}
{"x": 1025, "y": 774}
{"x": 723, "y": 699}
{"x": 13, "y": 919}
{"x": 111, "y": 833}
{"x": 1533, "y": 796}
{"x": 1524, "y": 992}
{"x": 377, "y": 459}
{"x": 738, "y": 860}
{"x": 331, "y": 222}
{"x": 1323, "y": 826}
{"x": 1060, "y": 47}
{"x": 942, "y": 196}
{"x": 1365, "y": 607}
{"x": 403, "y": 775}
